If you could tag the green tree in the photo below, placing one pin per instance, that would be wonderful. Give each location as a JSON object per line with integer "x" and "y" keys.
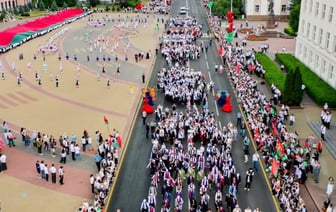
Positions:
{"x": 41, "y": 6}
{"x": 15, "y": 11}
{"x": 287, "y": 96}
{"x": 221, "y": 7}
{"x": 294, "y": 15}
{"x": 30, "y": 5}
{"x": 72, "y": 3}
{"x": 293, "y": 94}
{"x": 65, "y": 5}
{"x": 26, "y": 8}
{"x": 297, "y": 89}
{"x": 53, "y": 6}
{"x": 60, "y": 3}
{"x": 21, "y": 10}
{"x": 93, "y": 3}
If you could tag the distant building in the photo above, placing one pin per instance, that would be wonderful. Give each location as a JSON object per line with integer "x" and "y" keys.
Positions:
{"x": 9, "y": 4}
{"x": 260, "y": 9}
{"x": 316, "y": 40}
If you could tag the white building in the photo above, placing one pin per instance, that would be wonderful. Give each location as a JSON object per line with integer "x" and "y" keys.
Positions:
{"x": 316, "y": 40}
{"x": 260, "y": 9}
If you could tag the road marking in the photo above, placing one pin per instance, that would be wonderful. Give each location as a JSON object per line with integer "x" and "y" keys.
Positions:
{"x": 209, "y": 76}
{"x": 207, "y": 65}
{"x": 216, "y": 108}
{"x": 220, "y": 124}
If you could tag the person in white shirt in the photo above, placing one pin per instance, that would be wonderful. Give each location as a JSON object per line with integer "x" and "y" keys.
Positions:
{"x": 42, "y": 166}
{"x": 291, "y": 120}
{"x": 46, "y": 172}
{"x": 53, "y": 173}
{"x": 61, "y": 175}
{"x": 255, "y": 159}
{"x": 72, "y": 150}
{"x": 3, "y": 162}
{"x": 77, "y": 152}
{"x": 92, "y": 183}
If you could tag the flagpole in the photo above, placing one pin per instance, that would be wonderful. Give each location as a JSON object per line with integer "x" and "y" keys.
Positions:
{"x": 231, "y": 5}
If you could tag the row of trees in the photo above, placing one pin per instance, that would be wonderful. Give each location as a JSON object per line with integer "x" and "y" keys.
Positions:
{"x": 221, "y": 7}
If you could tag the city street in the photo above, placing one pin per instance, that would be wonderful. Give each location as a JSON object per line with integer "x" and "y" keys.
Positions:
{"x": 134, "y": 179}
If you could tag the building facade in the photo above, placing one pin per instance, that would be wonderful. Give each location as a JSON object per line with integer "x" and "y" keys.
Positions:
{"x": 260, "y": 9}
{"x": 10, "y": 4}
{"x": 316, "y": 40}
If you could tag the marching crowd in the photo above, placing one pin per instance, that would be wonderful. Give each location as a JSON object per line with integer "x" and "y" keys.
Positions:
{"x": 179, "y": 44}
{"x": 182, "y": 86}
{"x": 208, "y": 169}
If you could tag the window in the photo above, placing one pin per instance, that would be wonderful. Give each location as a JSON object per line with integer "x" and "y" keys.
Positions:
{"x": 300, "y": 48}
{"x": 317, "y": 61}
{"x": 334, "y": 43}
{"x": 310, "y": 6}
{"x": 257, "y": 8}
{"x": 314, "y": 33}
{"x": 2, "y": 6}
{"x": 320, "y": 36}
{"x": 305, "y": 5}
{"x": 308, "y": 30}
{"x": 317, "y": 8}
{"x": 302, "y": 26}
{"x": 323, "y": 65}
{"x": 304, "y": 52}
{"x": 283, "y": 8}
{"x": 331, "y": 72}
{"x": 327, "y": 40}
{"x": 323, "y": 11}
{"x": 310, "y": 56}
{"x": 331, "y": 13}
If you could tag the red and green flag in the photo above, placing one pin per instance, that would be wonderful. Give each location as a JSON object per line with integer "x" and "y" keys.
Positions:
{"x": 106, "y": 120}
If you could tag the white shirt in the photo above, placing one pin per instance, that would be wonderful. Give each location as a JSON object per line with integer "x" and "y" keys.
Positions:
{"x": 52, "y": 169}
{"x": 3, "y": 158}
{"x": 255, "y": 157}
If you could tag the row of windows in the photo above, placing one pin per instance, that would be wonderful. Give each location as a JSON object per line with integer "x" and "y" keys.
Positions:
{"x": 317, "y": 62}
{"x": 319, "y": 36}
{"x": 319, "y": 11}
{"x": 284, "y": 8}
{"x": 8, "y": 4}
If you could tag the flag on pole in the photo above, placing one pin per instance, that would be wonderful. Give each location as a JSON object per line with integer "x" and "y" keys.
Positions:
{"x": 210, "y": 4}
{"x": 275, "y": 167}
{"x": 229, "y": 37}
{"x": 106, "y": 120}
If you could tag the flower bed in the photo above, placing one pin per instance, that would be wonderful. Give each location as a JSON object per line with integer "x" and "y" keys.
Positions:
{"x": 253, "y": 37}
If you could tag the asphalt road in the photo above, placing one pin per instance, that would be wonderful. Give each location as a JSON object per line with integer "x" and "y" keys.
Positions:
{"x": 134, "y": 179}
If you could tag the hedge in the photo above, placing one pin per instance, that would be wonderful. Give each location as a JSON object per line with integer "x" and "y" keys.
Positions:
{"x": 289, "y": 31}
{"x": 273, "y": 73}
{"x": 320, "y": 91}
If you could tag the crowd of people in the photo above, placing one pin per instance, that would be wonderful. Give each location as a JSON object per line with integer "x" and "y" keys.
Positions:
{"x": 285, "y": 158}
{"x": 179, "y": 45}
{"x": 183, "y": 86}
{"x": 177, "y": 157}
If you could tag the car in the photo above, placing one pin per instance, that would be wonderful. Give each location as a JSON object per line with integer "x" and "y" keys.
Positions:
{"x": 183, "y": 12}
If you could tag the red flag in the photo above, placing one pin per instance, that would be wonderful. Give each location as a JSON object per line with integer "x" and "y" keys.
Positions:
{"x": 275, "y": 167}
{"x": 119, "y": 141}
{"x": 106, "y": 120}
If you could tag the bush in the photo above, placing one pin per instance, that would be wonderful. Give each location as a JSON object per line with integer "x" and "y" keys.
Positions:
{"x": 273, "y": 74}
{"x": 289, "y": 31}
{"x": 316, "y": 88}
